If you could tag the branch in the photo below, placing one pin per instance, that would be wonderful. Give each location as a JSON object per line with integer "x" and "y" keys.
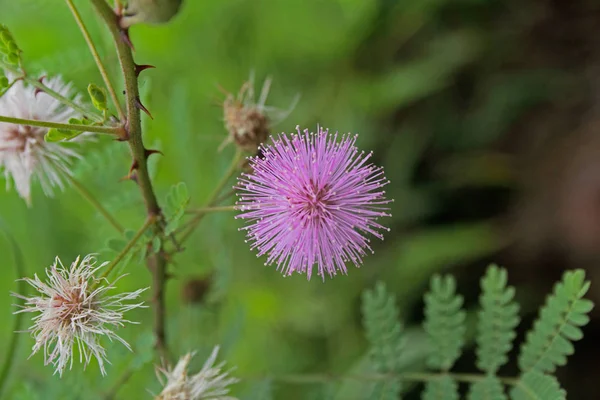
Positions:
{"x": 157, "y": 262}
{"x": 73, "y": 127}
{"x": 97, "y": 59}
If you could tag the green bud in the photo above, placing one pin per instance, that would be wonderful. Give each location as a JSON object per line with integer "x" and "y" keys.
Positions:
{"x": 98, "y": 96}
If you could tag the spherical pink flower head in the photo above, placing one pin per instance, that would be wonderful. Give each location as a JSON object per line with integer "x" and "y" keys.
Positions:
{"x": 312, "y": 199}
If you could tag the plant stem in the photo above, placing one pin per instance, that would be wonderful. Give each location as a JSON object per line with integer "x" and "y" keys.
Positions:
{"x": 193, "y": 223}
{"x": 157, "y": 262}
{"x": 37, "y": 83}
{"x": 73, "y": 127}
{"x": 21, "y": 287}
{"x": 96, "y": 56}
{"x": 128, "y": 247}
{"x": 302, "y": 379}
{"x": 122, "y": 380}
{"x": 206, "y": 210}
{"x": 95, "y": 203}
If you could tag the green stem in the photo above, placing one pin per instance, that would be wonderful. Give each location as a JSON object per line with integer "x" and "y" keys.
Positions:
{"x": 96, "y": 56}
{"x": 37, "y": 83}
{"x": 157, "y": 262}
{"x": 127, "y": 248}
{"x": 193, "y": 223}
{"x": 206, "y": 210}
{"x": 8, "y": 87}
{"x": 302, "y": 379}
{"x": 95, "y": 203}
{"x": 21, "y": 287}
{"x": 72, "y": 127}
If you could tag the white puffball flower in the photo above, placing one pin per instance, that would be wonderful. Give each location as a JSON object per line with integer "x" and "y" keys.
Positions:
{"x": 208, "y": 384}
{"x": 23, "y": 152}
{"x": 74, "y": 310}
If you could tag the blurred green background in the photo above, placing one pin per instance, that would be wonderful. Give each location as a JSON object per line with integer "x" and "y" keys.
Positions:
{"x": 481, "y": 111}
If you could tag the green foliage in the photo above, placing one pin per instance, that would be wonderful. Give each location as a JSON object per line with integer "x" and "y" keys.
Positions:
{"x": 489, "y": 388}
{"x": 444, "y": 322}
{"x": 535, "y": 385}
{"x": 3, "y": 81}
{"x": 443, "y": 388}
{"x": 546, "y": 346}
{"x": 550, "y": 341}
{"x": 384, "y": 333}
{"x": 59, "y": 134}
{"x": 11, "y": 54}
{"x": 498, "y": 319}
{"x": 98, "y": 97}
{"x": 176, "y": 202}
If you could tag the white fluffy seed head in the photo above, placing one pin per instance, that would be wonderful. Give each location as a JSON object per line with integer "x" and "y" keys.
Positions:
{"x": 73, "y": 309}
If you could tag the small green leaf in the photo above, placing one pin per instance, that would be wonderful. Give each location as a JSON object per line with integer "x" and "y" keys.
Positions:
{"x": 156, "y": 244}
{"x": 8, "y": 47}
{"x": 98, "y": 97}
{"x": 537, "y": 386}
{"x": 176, "y": 202}
{"x": 58, "y": 135}
{"x": 3, "y": 81}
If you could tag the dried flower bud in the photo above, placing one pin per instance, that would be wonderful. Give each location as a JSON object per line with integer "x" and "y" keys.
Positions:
{"x": 249, "y": 122}
{"x": 194, "y": 291}
{"x": 210, "y": 383}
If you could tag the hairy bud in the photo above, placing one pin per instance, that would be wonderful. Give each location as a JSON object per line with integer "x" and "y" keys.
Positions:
{"x": 149, "y": 12}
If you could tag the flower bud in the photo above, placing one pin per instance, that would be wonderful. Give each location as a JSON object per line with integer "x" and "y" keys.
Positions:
{"x": 98, "y": 96}
{"x": 249, "y": 121}
{"x": 149, "y": 12}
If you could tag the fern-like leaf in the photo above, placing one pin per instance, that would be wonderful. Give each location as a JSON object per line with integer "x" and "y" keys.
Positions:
{"x": 444, "y": 322}
{"x": 489, "y": 388}
{"x": 444, "y": 388}
{"x": 549, "y": 342}
{"x": 498, "y": 319}
{"x": 535, "y": 385}
{"x": 384, "y": 333}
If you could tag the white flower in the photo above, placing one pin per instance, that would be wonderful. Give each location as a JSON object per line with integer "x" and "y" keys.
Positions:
{"x": 74, "y": 310}
{"x": 208, "y": 384}
{"x": 23, "y": 151}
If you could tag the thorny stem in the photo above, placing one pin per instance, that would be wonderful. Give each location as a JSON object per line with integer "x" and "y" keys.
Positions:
{"x": 96, "y": 56}
{"x": 128, "y": 247}
{"x": 73, "y": 127}
{"x": 95, "y": 203}
{"x": 37, "y": 83}
{"x": 14, "y": 338}
{"x": 156, "y": 262}
{"x": 193, "y": 223}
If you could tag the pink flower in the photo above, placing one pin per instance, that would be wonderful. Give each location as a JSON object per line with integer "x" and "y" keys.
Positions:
{"x": 74, "y": 310}
{"x": 312, "y": 199}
